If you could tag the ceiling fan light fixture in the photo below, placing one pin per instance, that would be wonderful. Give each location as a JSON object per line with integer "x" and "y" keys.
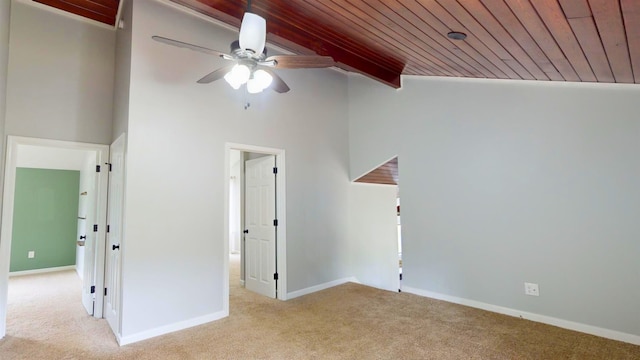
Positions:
{"x": 238, "y": 75}
{"x": 263, "y": 78}
{"x": 259, "y": 81}
{"x": 253, "y": 86}
{"x": 253, "y": 32}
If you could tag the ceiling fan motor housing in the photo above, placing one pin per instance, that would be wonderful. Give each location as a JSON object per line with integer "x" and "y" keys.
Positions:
{"x": 240, "y": 53}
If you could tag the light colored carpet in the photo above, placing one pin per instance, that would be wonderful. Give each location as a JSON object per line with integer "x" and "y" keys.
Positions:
{"x": 47, "y": 321}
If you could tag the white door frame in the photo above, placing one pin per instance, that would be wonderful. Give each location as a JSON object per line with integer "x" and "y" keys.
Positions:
{"x": 13, "y": 143}
{"x": 281, "y": 211}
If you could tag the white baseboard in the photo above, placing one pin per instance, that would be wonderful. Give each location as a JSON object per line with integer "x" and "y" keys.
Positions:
{"x": 566, "y": 324}
{"x": 326, "y": 285}
{"x": 42, "y": 271}
{"x": 242, "y": 283}
{"x": 162, "y": 330}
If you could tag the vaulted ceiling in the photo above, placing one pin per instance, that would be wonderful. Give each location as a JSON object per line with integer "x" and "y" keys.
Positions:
{"x": 547, "y": 40}
{"x": 386, "y": 173}
{"x": 104, "y": 11}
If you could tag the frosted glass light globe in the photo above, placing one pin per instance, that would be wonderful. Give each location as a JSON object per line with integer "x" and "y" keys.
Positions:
{"x": 238, "y": 75}
{"x": 263, "y": 78}
{"x": 253, "y": 33}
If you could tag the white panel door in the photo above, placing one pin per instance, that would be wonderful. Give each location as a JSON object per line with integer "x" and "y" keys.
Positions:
{"x": 90, "y": 241}
{"x": 260, "y": 239}
{"x": 114, "y": 236}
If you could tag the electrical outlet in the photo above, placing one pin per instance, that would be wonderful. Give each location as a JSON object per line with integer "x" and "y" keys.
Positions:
{"x": 31, "y": 254}
{"x": 531, "y": 289}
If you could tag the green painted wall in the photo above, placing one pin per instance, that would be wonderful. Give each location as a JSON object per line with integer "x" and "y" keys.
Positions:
{"x": 45, "y": 218}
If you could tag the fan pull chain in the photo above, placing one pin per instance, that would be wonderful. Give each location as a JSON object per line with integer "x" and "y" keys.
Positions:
{"x": 245, "y": 94}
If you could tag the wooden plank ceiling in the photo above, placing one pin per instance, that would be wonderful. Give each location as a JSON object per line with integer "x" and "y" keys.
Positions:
{"x": 104, "y": 11}
{"x": 557, "y": 40}
{"x": 386, "y": 173}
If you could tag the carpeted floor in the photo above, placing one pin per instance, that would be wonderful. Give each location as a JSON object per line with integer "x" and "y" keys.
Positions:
{"x": 345, "y": 322}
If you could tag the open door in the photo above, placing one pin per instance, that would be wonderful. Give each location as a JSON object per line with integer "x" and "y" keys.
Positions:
{"x": 93, "y": 232}
{"x": 260, "y": 225}
{"x": 114, "y": 235}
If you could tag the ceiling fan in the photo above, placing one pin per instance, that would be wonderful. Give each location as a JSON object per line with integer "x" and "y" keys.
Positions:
{"x": 251, "y": 66}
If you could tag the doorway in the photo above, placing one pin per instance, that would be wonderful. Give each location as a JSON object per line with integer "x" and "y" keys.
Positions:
{"x": 25, "y": 153}
{"x": 241, "y": 223}
{"x": 375, "y": 227}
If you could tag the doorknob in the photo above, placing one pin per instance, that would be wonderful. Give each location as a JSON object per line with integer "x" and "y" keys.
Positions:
{"x": 114, "y": 247}
{"x": 83, "y": 237}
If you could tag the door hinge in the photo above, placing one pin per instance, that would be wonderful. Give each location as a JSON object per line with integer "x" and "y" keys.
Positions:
{"x": 109, "y": 166}
{"x": 275, "y": 276}
{"x": 275, "y": 170}
{"x": 95, "y": 228}
{"x": 105, "y": 291}
{"x": 108, "y": 228}
{"x": 97, "y": 168}
{"x": 93, "y": 289}
{"x": 275, "y": 222}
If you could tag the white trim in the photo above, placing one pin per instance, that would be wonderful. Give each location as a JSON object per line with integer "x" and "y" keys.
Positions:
{"x": 57, "y": 11}
{"x": 330, "y": 284}
{"x": 166, "y": 329}
{"x": 116, "y": 25}
{"x": 12, "y": 145}
{"x": 42, "y": 271}
{"x": 575, "y": 84}
{"x": 565, "y": 324}
{"x": 241, "y": 282}
{"x": 281, "y": 215}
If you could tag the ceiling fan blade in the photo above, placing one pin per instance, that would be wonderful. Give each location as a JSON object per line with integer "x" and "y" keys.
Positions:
{"x": 191, "y": 47}
{"x": 216, "y": 75}
{"x": 300, "y": 61}
{"x": 278, "y": 85}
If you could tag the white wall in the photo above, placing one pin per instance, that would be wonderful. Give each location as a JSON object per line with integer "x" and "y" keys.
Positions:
{"x": 235, "y": 207}
{"x": 86, "y": 207}
{"x": 509, "y": 181}
{"x": 174, "y": 246}
{"x": 39, "y": 157}
{"x": 61, "y": 73}
{"x": 122, "y": 72}
{"x": 5, "y": 20}
{"x": 373, "y": 235}
{"x": 5, "y": 17}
